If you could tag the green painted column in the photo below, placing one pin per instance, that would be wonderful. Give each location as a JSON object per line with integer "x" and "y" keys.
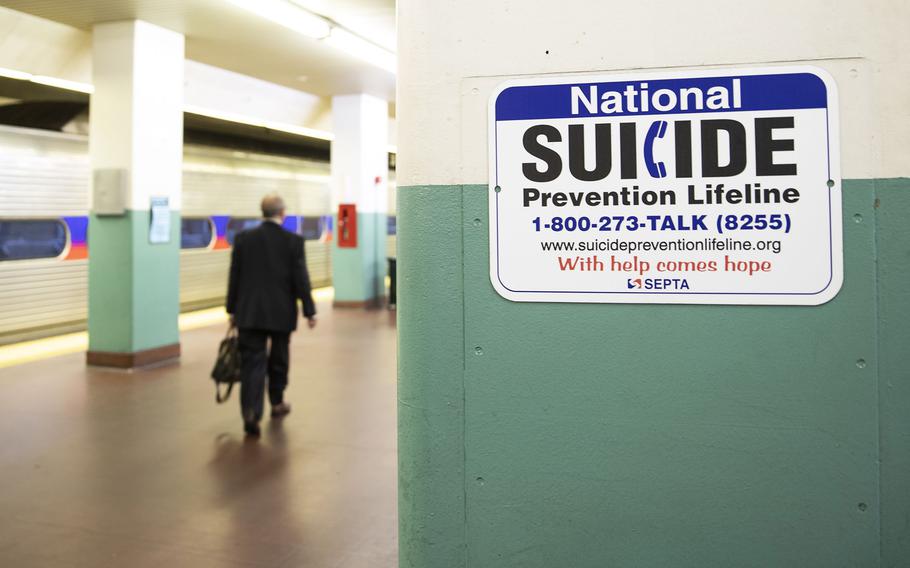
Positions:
{"x": 541, "y": 435}
{"x": 360, "y": 177}
{"x": 358, "y": 274}
{"x": 132, "y": 289}
{"x": 892, "y": 380}
{"x": 432, "y": 354}
{"x": 136, "y": 150}
{"x": 550, "y": 434}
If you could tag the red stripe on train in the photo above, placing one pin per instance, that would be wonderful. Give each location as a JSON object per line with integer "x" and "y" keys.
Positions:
{"x": 77, "y": 252}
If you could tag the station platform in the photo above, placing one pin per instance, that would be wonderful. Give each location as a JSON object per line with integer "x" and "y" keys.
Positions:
{"x": 106, "y": 468}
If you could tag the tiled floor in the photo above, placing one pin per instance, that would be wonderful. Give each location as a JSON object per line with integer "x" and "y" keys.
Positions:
{"x": 103, "y": 468}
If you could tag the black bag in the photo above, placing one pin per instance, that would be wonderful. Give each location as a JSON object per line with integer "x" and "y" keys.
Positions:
{"x": 227, "y": 365}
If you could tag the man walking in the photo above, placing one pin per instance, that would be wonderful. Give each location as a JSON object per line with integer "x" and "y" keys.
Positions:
{"x": 268, "y": 276}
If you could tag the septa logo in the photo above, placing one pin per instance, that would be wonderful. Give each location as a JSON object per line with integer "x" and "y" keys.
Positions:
{"x": 657, "y": 284}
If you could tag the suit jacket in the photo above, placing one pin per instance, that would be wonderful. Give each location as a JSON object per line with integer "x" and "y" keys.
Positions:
{"x": 268, "y": 276}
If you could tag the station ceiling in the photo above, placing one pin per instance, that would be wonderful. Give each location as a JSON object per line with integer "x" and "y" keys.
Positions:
{"x": 222, "y": 34}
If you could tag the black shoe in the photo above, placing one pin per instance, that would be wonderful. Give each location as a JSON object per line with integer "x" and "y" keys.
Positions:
{"x": 251, "y": 429}
{"x": 280, "y": 410}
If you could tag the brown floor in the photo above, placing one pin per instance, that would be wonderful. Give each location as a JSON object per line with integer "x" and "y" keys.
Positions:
{"x": 110, "y": 469}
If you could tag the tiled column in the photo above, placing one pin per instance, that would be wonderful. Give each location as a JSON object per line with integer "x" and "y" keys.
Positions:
{"x": 136, "y": 146}
{"x": 360, "y": 177}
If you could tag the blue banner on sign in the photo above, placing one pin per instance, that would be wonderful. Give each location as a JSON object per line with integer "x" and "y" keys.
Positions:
{"x": 662, "y": 96}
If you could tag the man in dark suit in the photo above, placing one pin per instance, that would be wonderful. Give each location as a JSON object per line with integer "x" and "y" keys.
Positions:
{"x": 268, "y": 276}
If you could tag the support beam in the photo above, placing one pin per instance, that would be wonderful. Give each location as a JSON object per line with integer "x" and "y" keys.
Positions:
{"x": 360, "y": 177}
{"x": 136, "y": 147}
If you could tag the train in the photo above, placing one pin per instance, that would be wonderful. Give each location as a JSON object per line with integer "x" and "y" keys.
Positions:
{"x": 44, "y": 192}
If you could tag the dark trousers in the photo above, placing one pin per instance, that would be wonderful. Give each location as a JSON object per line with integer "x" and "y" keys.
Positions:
{"x": 257, "y": 363}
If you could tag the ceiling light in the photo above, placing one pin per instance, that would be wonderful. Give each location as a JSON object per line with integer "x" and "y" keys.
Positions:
{"x": 287, "y": 15}
{"x": 295, "y": 17}
{"x": 45, "y": 80}
{"x": 248, "y": 120}
{"x": 343, "y": 40}
{"x": 63, "y": 84}
{"x": 13, "y": 74}
{"x": 201, "y": 111}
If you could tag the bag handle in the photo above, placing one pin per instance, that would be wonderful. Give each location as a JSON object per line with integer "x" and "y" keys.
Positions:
{"x": 227, "y": 394}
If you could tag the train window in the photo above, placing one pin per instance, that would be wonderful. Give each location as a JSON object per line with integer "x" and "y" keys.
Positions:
{"x": 195, "y": 232}
{"x": 237, "y": 224}
{"x": 22, "y": 239}
{"x": 392, "y": 226}
{"x": 311, "y": 228}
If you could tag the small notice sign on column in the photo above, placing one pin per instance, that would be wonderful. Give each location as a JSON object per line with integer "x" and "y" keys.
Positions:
{"x": 160, "y": 223}
{"x": 691, "y": 187}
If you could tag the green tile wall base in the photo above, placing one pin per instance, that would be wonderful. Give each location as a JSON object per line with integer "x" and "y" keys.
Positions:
{"x": 358, "y": 274}
{"x": 134, "y": 292}
{"x": 535, "y": 435}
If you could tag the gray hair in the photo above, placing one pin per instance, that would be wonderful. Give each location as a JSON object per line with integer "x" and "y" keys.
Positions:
{"x": 272, "y": 205}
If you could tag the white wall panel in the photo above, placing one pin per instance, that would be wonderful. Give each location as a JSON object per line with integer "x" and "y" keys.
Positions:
{"x": 453, "y": 52}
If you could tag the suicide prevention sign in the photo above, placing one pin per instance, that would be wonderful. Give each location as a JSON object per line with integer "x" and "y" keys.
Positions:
{"x": 692, "y": 187}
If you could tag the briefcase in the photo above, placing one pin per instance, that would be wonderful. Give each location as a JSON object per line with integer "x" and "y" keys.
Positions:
{"x": 227, "y": 365}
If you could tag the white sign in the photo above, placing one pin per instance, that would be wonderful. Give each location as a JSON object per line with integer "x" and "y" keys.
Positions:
{"x": 160, "y": 223}
{"x": 691, "y": 187}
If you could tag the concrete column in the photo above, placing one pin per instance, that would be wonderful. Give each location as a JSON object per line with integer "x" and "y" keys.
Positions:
{"x": 136, "y": 147}
{"x": 360, "y": 171}
{"x": 547, "y": 434}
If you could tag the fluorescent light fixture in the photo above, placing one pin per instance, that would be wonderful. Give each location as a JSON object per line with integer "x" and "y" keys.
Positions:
{"x": 248, "y": 120}
{"x": 45, "y": 80}
{"x": 288, "y": 15}
{"x": 211, "y": 113}
{"x": 352, "y": 44}
{"x": 13, "y": 74}
{"x": 63, "y": 84}
{"x": 297, "y": 18}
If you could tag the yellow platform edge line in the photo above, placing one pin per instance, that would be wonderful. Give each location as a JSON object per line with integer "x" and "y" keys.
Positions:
{"x": 38, "y": 349}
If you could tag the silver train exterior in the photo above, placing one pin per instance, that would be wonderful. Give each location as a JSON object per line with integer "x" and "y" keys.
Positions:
{"x": 46, "y": 176}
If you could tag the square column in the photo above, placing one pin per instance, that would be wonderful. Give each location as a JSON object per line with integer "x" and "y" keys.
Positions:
{"x": 360, "y": 169}
{"x": 136, "y": 148}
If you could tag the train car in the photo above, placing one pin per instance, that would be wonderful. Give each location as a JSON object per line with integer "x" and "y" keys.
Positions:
{"x": 44, "y": 186}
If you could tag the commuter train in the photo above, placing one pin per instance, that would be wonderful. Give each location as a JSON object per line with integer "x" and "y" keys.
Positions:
{"x": 44, "y": 185}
